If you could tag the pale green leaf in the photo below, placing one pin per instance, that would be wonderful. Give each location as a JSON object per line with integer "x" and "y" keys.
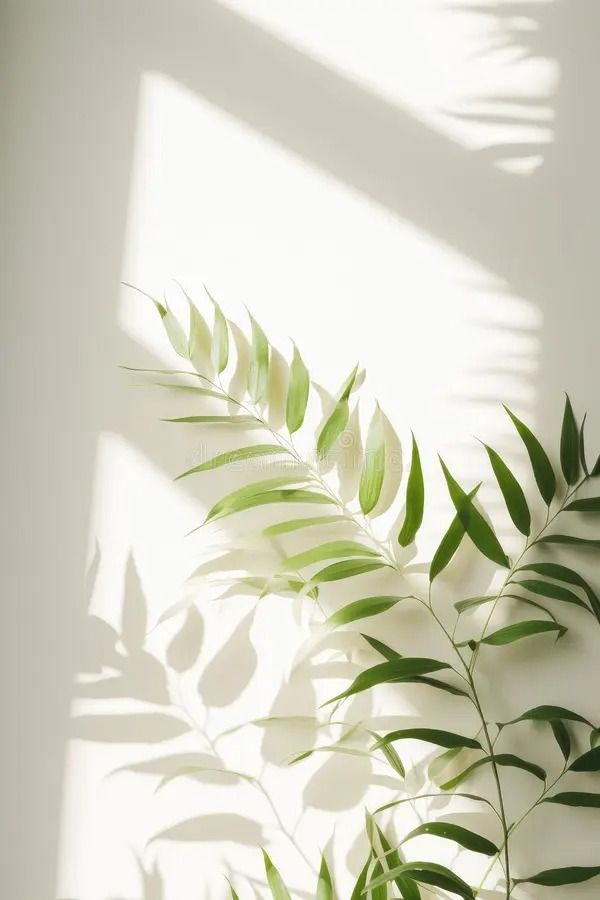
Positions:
{"x": 330, "y": 550}
{"x": 297, "y": 396}
{"x": 415, "y": 499}
{"x": 234, "y": 456}
{"x": 258, "y": 372}
{"x": 371, "y": 479}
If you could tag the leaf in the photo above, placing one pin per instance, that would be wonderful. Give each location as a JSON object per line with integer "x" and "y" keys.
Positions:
{"x": 520, "y": 630}
{"x": 562, "y": 737}
{"x": 380, "y": 893}
{"x": 408, "y": 889}
{"x": 542, "y": 468}
{"x": 426, "y": 873}
{"x": 297, "y": 524}
{"x": 554, "y": 591}
{"x": 569, "y": 444}
{"x": 586, "y": 505}
{"x": 324, "y": 884}
{"x": 362, "y": 609}
{"x": 472, "y": 602}
{"x": 248, "y": 421}
{"x": 588, "y": 762}
{"x": 233, "y": 456}
{"x": 191, "y": 389}
{"x": 511, "y": 491}
{"x": 291, "y": 495}
{"x": 463, "y": 836}
{"x": 371, "y": 479}
{"x": 338, "y": 419}
{"x": 382, "y": 648}
{"x": 297, "y": 396}
{"x": 220, "y": 339}
{"x": 173, "y": 329}
{"x": 502, "y": 759}
{"x": 234, "y": 894}
{"x": 570, "y": 540}
{"x": 328, "y": 748}
{"x": 558, "y": 877}
{"x": 547, "y": 714}
{"x": 199, "y": 336}
{"x": 345, "y": 569}
{"x": 575, "y": 798}
{"x": 596, "y": 469}
{"x": 278, "y": 888}
{"x": 390, "y": 655}
{"x": 258, "y": 372}
{"x": 392, "y": 757}
{"x": 478, "y": 529}
{"x": 415, "y": 499}
{"x": 255, "y": 488}
{"x": 582, "y": 456}
{"x": 431, "y": 735}
{"x": 395, "y": 670}
{"x": 450, "y": 542}
{"x": 563, "y": 573}
{"x": 330, "y": 550}
{"x": 441, "y": 763}
{"x": 361, "y": 880}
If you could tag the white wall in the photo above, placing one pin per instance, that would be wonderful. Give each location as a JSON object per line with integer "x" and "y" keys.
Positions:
{"x": 409, "y": 185}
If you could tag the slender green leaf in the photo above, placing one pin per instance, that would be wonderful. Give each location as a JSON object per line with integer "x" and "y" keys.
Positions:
{"x": 337, "y": 420}
{"x": 554, "y": 591}
{"x": 569, "y": 444}
{"x": 409, "y": 889}
{"x": 297, "y": 395}
{"x": 362, "y": 609}
{"x": 478, "y": 529}
{"x": 473, "y": 602}
{"x": 547, "y": 714}
{"x": 199, "y": 336}
{"x": 588, "y": 762}
{"x": 511, "y": 491}
{"x": 561, "y": 735}
{"x": 345, "y": 569}
{"x": 220, "y": 340}
{"x": 247, "y": 421}
{"x": 431, "y": 735}
{"x": 563, "y": 573}
{"x": 558, "y": 877}
{"x": 542, "y": 468}
{"x": 426, "y": 873}
{"x": 255, "y": 488}
{"x": 173, "y": 329}
{"x": 289, "y": 495}
{"x": 361, "y": 880}
{"x": 233, "y": 456}
{"x": 519, "y": 630}
{"x": 463, "y": 836}
{"x": 441, "y": 762}
{"x": 191, "y": 389}
{"x": 394, "y": 670}
{"x": 415, "y": 499}
{"x": 382, "y": 648}
{"x": 276, "y": 885}
{"x": 324, "y": 883}
{"x": 371, "y": 479}
{"x": 330, "y": 550}
{"x": 582, "y": 455}
{"x": 392, "y": 757}
{"x": 575, "y": 798}
{"x": 451, "y": 540}
{"x": 570, "y": 540}
{"x": 502, "y": 759}
{"x": 390, "y": 655}
{"x": 380, "y": 891}
{"x": 595, "y": 469}
{"x": 258, "y": 371}
{"x": 234, "y": 894}
{"x": 585, "y": 505}
{"x": 297, "y": 524}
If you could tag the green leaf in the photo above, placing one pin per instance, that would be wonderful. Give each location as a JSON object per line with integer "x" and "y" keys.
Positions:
{"x": 596, "y": 469}
{"x": 542, "y": 468}
{"x": 361, "y": 880}
{"x": 380, "y": 892}
{"x": 297, "y": 395}
{"x": 563, "y": 573}
{"x": 511, "y": 491}
{"x": 345, "y": 569}
{"x": 519, "y": 630}
{"x": 173, "y": 329}
{"x": 502, "y": 759}
{"x": 384, "y": 673}
{"x": 554, "y": 591}
{"x": 451, "y": 541}
{"x": 289, "y": 495}
{"x": 558, "y": 877}
{"x": 331, "y": 550}
{"x": 362, "y": 609}
{"x": 392, "y": 757}
{"x": 258, "y": 372}
{"x": 426, "y": 873}
{"x": 199, "y": 336}
{"x": 234, "y": 894}
{"x": 561, "y": 735}
{"x": 431, "y": 735}
{"x": 296, "y": 524}
{"x": 569, "y": 444}
{"x": 255, "y": 488}
{"x": 575, "y": 798}
{"x": 463, "y": 836}
{"x": 588, "y": 762}
{"x": 381, "y": 648}
{"x": 582, "y": 456}
{"x": 220, "y": 339}
{"x": 408, "y": 889}
{"x": 586, "y": 505}
{"x": 324, "y": 884}
{"x": 390, "y": 655}
{"x": 247, "y": 421}
{"x": 570, "y": 540}
{"x": 338, "y": 419}
{"x": 478, "y": 529}
{"x": 233, "y": 456}
{"x": 441, "y": 763}
{"x": 547, "y": 714}
{"x": 371, "y": 479}
{"x": 473, "y": 602}
{"x": 278, "y": 888}
{"x": 191, "y": 389}
{"x": 415, "y": 499}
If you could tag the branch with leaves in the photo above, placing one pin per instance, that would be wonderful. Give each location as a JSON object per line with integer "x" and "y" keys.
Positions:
{"x": 538, "y": 586}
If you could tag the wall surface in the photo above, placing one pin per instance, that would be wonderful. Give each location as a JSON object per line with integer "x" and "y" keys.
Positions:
{"x": 409, "y": 185}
